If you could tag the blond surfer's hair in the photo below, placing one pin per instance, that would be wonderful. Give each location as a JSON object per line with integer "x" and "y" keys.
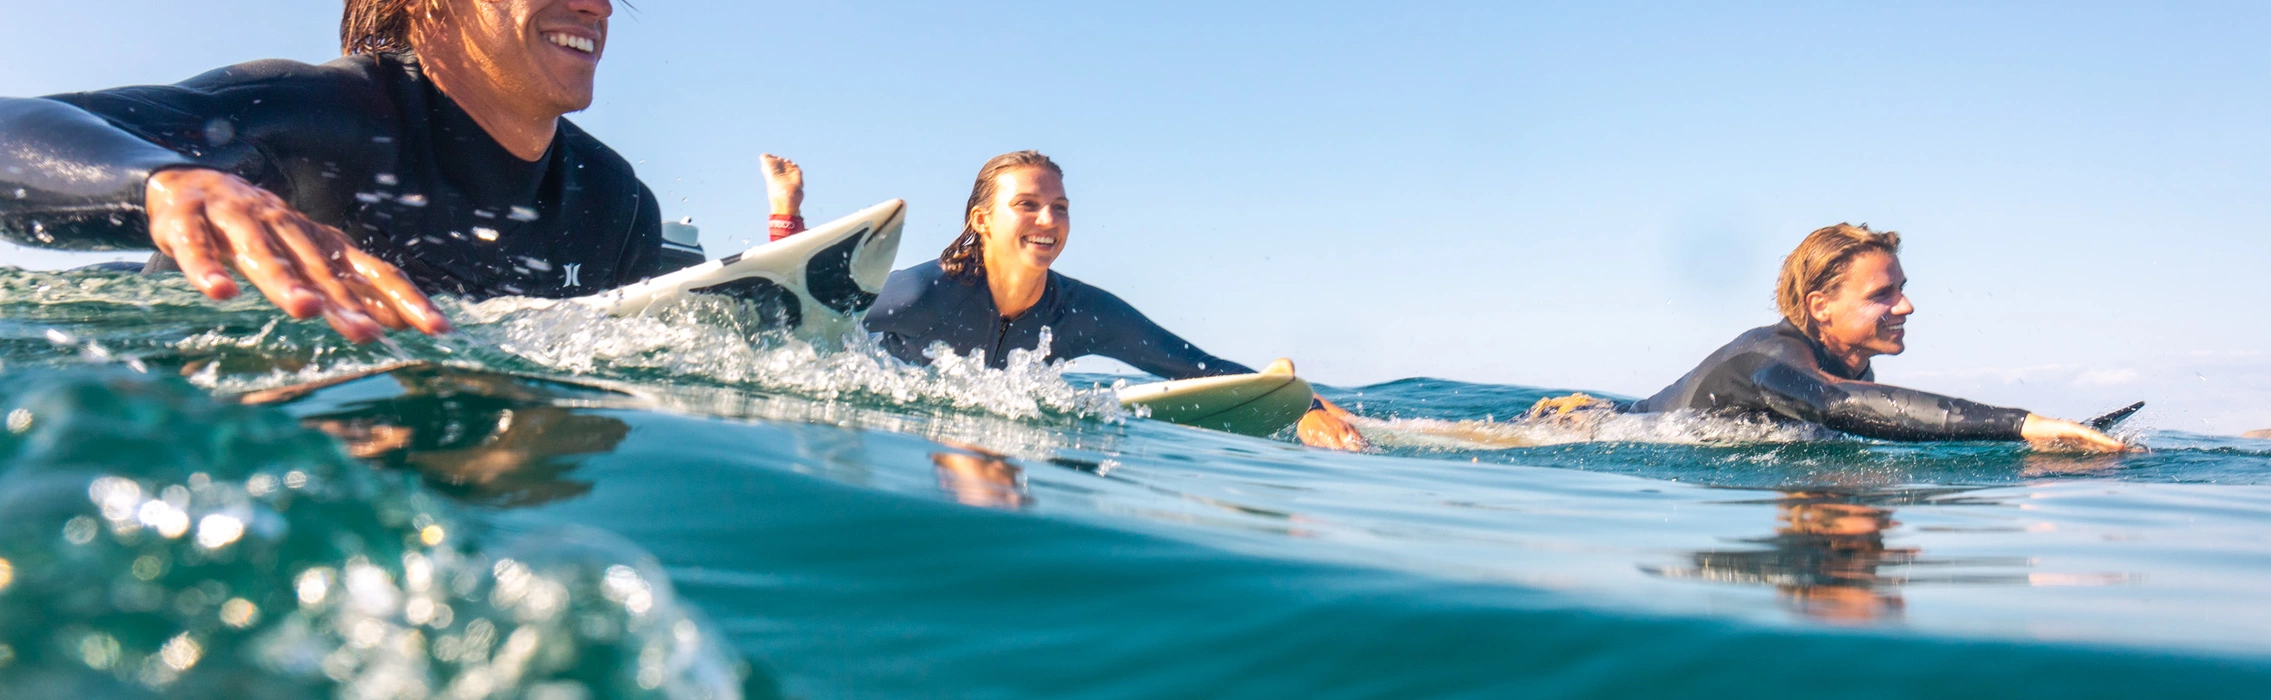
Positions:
{"x": 965, "y": 258}
{"x": 1819, "y": 265}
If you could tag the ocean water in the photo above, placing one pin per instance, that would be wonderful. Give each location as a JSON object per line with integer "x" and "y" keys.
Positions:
{"x": 203, "y": 499}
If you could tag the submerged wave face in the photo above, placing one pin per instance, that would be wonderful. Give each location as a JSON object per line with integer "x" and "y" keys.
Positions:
{"x": 155, "y": 542}
{"x": 552, "y": 503}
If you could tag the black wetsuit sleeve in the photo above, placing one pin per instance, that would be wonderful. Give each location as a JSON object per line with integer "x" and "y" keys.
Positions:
{"x": 66, "y": 174}
{"x": 1122, "y": 333}
{"x": 1869, "y": 409}
{"x": 899, "y": 317}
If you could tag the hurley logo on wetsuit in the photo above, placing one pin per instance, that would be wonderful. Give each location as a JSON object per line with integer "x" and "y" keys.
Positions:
{"x": 573, "y": 268}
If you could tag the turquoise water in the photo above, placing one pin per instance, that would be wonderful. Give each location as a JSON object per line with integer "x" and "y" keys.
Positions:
{"x": 626, "y": 507}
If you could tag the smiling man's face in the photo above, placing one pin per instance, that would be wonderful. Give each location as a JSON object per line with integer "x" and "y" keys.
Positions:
{"x": 543, "y": 52}
{"x": 1867, "y": 311}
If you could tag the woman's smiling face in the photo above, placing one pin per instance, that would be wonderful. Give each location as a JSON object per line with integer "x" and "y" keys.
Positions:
{"x": 1028, "y": 221}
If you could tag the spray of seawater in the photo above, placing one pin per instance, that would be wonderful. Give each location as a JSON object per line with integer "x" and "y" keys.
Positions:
{"x": 245, "y": 345}
{"x": 155, "y": 542}
{"x": 1678, "y": 427}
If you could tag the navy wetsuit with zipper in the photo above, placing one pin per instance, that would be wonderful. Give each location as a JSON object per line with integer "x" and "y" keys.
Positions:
{"x": 922, "y": 305}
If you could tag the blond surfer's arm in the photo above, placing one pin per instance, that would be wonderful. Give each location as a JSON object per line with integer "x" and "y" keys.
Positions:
{"x": 1326, "y": 425}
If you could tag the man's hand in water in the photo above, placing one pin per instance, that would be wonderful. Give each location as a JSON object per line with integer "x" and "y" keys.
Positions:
{"x": 1328, "y": 427}
{"x": 209, "y": 221}
{"x": 784, "y": 185}
{"x": 2046, "y": 433}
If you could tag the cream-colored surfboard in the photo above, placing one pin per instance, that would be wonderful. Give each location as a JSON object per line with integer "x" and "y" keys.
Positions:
{"x": 815, "y": 283}
{"x": 1259, "y": 404}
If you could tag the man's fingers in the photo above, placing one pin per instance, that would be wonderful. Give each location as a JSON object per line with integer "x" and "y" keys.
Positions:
{"x": 399, "y": 293}
{"x": 321, "y": 255}
{"x": 182, "y": 233}
{"x": 256, "y": 254}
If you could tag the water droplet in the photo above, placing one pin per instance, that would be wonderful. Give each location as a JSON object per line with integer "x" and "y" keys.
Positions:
{"x": 412, "y": 200}
{"x": 485, "y": 233}
{"x": 216, "y": 531}
{"x": 484, "y": 213}
{"x": 522, "y": 214}
{"x": 219, "y": 132}
{"x": 20, "y": 194}
{"x": 369, "y": 197}
{"x": 19, "y": 420}
{"x": 387, "y": 179}
{"x": 80, "y": 530}
{"x": 180, "y": 653}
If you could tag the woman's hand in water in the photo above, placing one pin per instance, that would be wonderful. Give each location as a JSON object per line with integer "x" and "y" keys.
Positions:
{"x": 784, "y": 185}
{"x": 209, "y": 221}
{"x": 1327, "y": 426}
{"x": 2046, "y": 433}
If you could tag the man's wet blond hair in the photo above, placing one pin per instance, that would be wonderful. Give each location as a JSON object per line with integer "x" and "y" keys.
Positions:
{"x": 1819, "y": 265}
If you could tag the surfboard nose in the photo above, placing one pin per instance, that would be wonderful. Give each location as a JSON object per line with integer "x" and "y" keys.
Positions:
{"x": 872, "y": 265}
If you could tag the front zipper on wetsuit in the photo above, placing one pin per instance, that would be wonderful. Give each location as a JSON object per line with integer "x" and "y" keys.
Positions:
{"x": 999, "y": 336}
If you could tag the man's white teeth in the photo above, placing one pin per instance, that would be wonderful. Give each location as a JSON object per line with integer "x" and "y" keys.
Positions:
{"x": 1041, "y": 241}
{"x": 574, "y": 42}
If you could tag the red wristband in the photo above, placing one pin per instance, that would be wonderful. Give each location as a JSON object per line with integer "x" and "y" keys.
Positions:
{"x": 785, "y": 226}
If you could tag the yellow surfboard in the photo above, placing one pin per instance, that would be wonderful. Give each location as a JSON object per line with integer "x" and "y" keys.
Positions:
{"x": 1259, "y": 404}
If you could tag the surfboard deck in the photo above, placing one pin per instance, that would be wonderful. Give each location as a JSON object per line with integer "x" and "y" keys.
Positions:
{"x": 815, "y": 284}
{"x": 1259, "y": 404}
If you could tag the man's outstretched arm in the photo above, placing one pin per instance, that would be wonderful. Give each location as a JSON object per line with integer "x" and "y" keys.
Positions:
{"x": 71, "y": 179}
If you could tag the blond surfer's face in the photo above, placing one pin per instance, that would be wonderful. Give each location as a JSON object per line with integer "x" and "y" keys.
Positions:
{"x": 1028, "y": 221}
{"x": 1869, "y": 309}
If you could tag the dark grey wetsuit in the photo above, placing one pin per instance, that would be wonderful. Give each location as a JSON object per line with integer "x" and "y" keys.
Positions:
{"x": 1776, "y": 370}
{"x": 364, "y": 143}
{"x": 921, "y": 305}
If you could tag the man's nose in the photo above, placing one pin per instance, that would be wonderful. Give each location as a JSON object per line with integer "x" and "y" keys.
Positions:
{"x": 1903, "y": 307}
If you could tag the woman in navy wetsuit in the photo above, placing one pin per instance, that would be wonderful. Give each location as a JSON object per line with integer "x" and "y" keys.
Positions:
{"x": 992, "y": 291}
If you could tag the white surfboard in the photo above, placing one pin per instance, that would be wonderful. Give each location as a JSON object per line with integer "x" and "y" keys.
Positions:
{"x": 1259, "y": 404}
{"x": 816, "y": 283}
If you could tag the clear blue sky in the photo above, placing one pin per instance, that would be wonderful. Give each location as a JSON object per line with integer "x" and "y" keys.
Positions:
{"x": 1586, "y": 195}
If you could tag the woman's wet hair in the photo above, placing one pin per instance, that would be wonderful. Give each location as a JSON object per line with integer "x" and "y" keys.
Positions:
{"x": 1819, "y": 265}
{"x": 965, "y": 258}
{"x": 380, "y": 26}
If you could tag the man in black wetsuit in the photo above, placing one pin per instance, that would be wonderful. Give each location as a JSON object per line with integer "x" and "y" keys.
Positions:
{"x": 1842, "y": 302}
{"x": 432, "y": 158}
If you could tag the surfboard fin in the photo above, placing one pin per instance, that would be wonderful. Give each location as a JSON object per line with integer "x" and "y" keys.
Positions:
{"x": 1283, "y": 365}
{"x": 2115, "y": 417}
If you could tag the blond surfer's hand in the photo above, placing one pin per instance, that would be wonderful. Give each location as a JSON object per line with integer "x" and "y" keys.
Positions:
{"x": 1327, "y": 426}
{"x": 2058, "y": 435}
{"x": 210, "y": 222}
{"x": 784, "y": 185}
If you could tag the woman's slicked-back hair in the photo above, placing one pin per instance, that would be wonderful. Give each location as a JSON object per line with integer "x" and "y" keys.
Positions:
{"x": 380, "y": 26}
{"x": 965, "y": 258}
{"x": 1819, "y": 265}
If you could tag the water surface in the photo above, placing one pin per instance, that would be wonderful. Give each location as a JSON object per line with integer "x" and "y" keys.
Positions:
{"x": 670, "y": 507}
